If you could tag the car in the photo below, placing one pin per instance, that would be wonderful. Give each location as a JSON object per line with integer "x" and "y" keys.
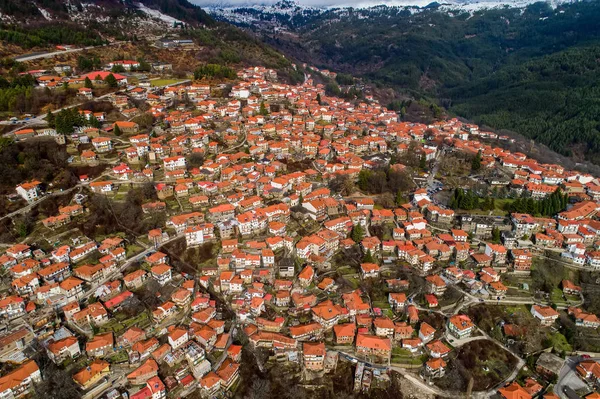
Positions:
{"x": 584, "y": 356}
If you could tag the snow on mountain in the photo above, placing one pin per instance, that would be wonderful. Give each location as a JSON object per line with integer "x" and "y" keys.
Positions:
{"x": 157, "y": 14}
{"x": 227, "y": 7}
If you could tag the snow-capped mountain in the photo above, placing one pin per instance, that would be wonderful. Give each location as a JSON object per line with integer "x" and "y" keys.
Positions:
{"x": 289, "y": 13}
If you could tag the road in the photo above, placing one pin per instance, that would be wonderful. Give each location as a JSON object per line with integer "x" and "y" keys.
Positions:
{"x": 568, "y": 377}
{"x": 31, "y": 57}
{"x": 40, "y": 119}
{"x": 29, "y": 206}
{"x": 126, "y": 264}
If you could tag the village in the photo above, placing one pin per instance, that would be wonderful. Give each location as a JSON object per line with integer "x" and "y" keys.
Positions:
{"x": 268, "y": 240}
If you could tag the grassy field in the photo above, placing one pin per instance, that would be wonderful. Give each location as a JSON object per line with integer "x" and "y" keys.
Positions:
{"x": 164, "y": 82}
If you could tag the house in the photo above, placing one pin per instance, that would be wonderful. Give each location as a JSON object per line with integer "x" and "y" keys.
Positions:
{"x": 327, "y": 314}
{"x": 154, "y": 389}
{"x": 313, "y": 355}
{"x": 100, "y": 345}
{"x": 344, "y": 333}
{"x": 384, "y": 327}
{"x": 29, "y": 191}
{"x": 426, "y": 332}
{"x": 584, "y": 319}
{"x": 178, "y": 337}
{"x": 369, "y": 270}
{"x": 135, "y": 279}
{"x": 438, "y": 349}
{"x": 143, "y": 373}
{"x": 435, "y": 285}
{"x": 102, "y": 144}
{"x": 460, "y": 326}
{"x": 545, "y": 314}
{"x": 63, "y": 349}
{"x": 569, "y": 288}
{"x": 549, "y": 364}
{"x": 372, "y": 345}
{"x": 306, "y": 276}
{"x": 435, "y": 367}
{"x": 514, "y": 391}
{"x": 20, "y": 381}
{"x": 210, "y": 384}
{"x": 161, "y": 273}
{"x": 397, "y": 300}
{"x": 88, "y": 376}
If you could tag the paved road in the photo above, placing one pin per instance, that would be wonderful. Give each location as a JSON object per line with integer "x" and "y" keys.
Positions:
{"x": 31, "y": 57}
{"x": 126, "y": 264}
{"x": 568, "y": 377}
{"x": 28, "y": 207}
{"x": 40, "y": 119}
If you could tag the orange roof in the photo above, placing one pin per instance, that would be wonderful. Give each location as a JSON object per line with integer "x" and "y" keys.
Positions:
{"x": 514, "y": 391}
{"x": 314, "y": 348}
{"x": 17, "y": 376}
{"x": 87, "y": 373}
{"x": 148, "y": 367}
{"x": 373, "y": 342}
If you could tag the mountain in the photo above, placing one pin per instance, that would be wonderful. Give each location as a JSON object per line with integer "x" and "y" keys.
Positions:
{"x": 39, "y": 25}
{"x": 508, "y": 67}
{"x": 35, "y": 10}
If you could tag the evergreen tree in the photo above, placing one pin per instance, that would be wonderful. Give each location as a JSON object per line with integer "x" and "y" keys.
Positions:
{"x": 111, "y": 81}
{"x": 319, "y": 99}
{"x": 369, "y": 257}
{"x": 357, "y": 233}
{"x": 399, "y": 198}
{"x": 117, "y": 68}
{"x": 88, "y": 83}
{"x": 94, "y": 122}
{"x": 476, "y": 162}
{"x": 51, "y": 119}
{"x": 263, "y": 109}
{"x": 117, "y": 130}
{"x": 423, "y": 162}
{"x": 496, "y": 235}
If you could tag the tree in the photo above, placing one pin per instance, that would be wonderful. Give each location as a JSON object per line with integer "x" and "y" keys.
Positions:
{"x": 117, "y": 130}
{"x": 50, "y": 118}
{"x": 94, "y": 122}
{"x": 357, "y": 233}
{"x": 399, "y": 198}
{"x": 57, "y": 384}
{"x": 319, "y": 99}
{"x": 111, "y": 81}
{"x": 88, "y": 83}
{"x": 476, "y": 162}
{"x": 369, "y": 257}
{"x": 496, "y": 235}
{"x": 117, "y": 68}
{"x": 196, "y": 160}
{"x": 342, "y": 185}
{"x": 423, "y": 162}
{"x": 263, "y": 109}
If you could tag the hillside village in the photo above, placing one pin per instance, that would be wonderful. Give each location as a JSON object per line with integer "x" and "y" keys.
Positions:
{"x": 272, "y": 241}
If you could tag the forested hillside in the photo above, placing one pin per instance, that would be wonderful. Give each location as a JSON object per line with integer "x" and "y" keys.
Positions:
{"x": 532, "y": 70}
{"x": 42, "y": 24}
{"x": 553, "y": 99}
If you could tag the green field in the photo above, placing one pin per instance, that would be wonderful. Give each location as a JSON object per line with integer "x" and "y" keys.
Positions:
{"x": 164, "y": 82}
